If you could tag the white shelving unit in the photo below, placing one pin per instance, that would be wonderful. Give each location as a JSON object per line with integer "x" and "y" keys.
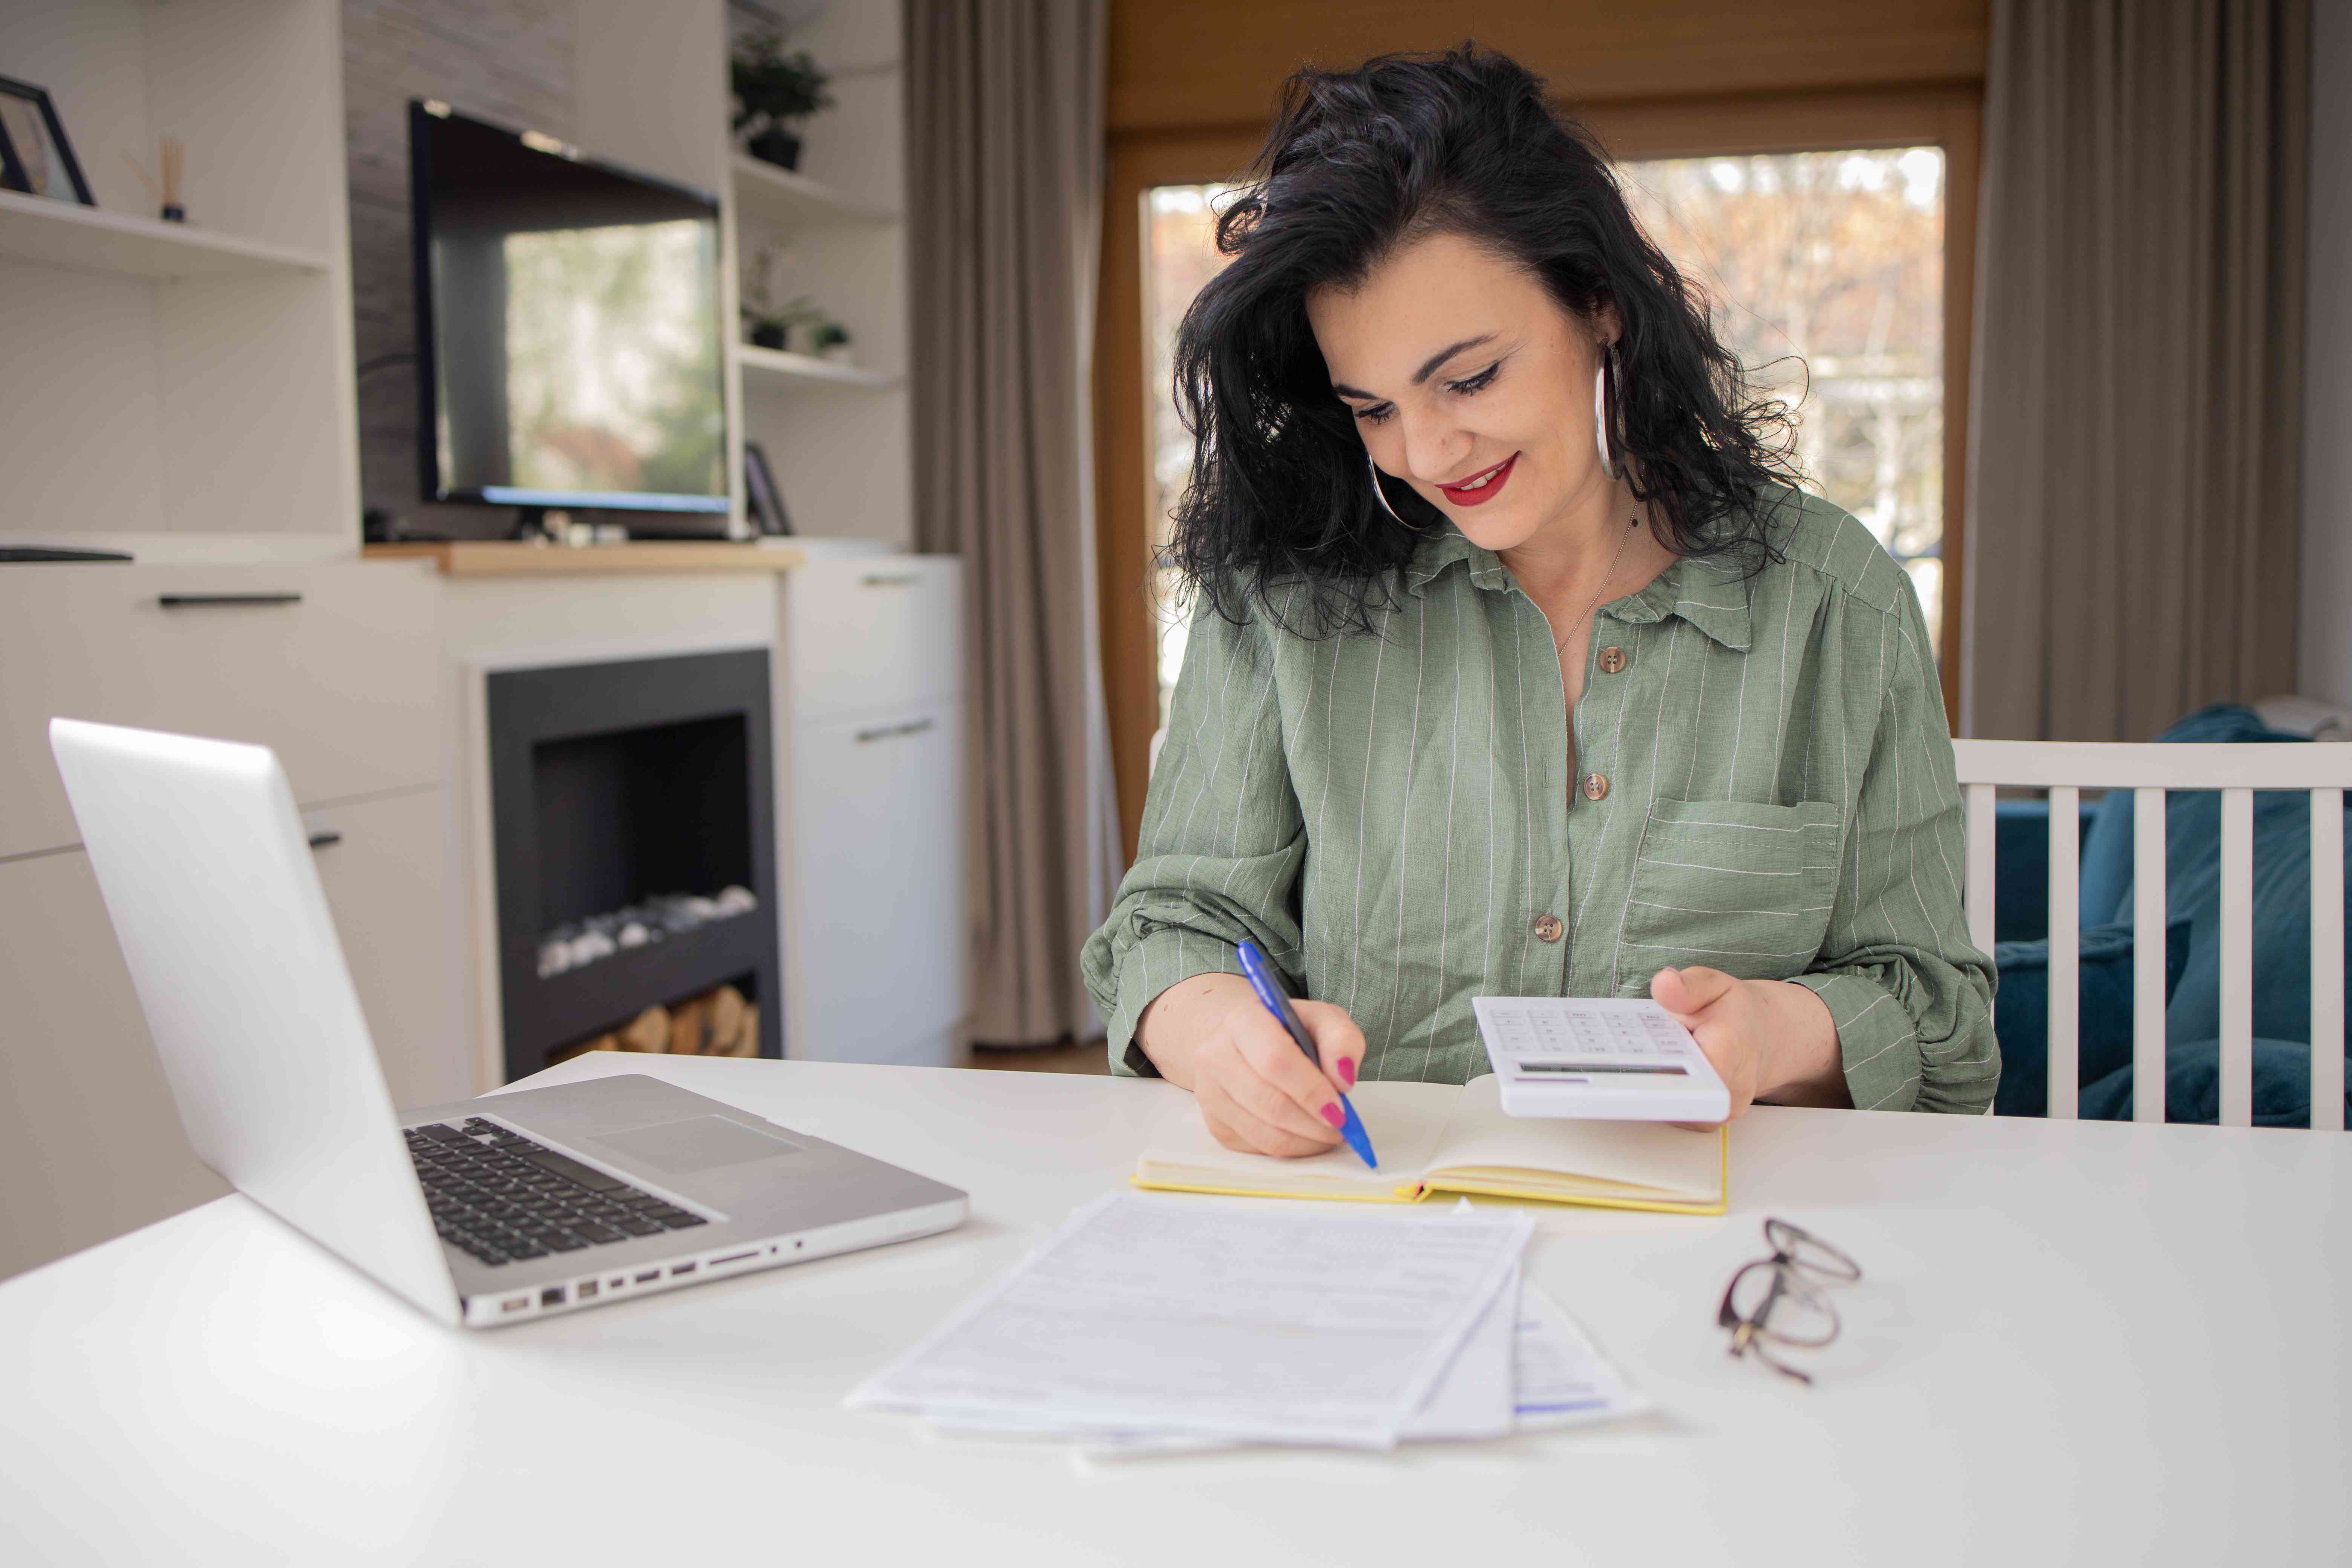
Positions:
{"x": 838, "y": 437}
{"x": 184, "y": 393}
{"x": 761, "y": 364}
{"x": 784, "y": 199}
{"x": 48, "y": 233}
{"x": 174, "y": 381}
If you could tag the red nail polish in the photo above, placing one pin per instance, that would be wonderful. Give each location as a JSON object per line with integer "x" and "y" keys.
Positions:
{"x": 1347, "y": 1072}
{"x": 1332, "y": 1114}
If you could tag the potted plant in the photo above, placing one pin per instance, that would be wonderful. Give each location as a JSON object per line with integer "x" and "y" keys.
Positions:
{"x": 832, "y": 341}
{"x": 771, "y": 327}
{"x": 773, "y": 92}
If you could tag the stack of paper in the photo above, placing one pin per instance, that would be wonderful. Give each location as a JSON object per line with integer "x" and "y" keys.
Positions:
{"x": 1155, "y": 1322}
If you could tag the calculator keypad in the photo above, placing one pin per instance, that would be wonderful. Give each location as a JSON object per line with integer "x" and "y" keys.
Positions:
{"x": 1598, "y": 1037}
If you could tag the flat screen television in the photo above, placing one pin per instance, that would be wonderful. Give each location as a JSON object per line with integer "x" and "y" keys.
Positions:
{"x": 567, "y": 325}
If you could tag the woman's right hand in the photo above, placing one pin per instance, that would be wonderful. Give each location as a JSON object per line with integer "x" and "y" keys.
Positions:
{"x": 1257, "y": 1091}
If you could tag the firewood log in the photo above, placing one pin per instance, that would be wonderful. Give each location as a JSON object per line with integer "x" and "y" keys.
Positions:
{"x": 689, "y": 1027}
{"x": 649, "y": 1031}
{"x": 726, "y": 1020}
{"x": 747, "y": 1034}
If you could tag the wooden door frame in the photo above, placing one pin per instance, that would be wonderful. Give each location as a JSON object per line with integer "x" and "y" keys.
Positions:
{"x": 1123, "y": 488}
{"x": 1946, "y": 116}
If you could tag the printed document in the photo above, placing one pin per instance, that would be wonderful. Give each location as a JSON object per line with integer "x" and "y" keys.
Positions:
{"x": 1233, "y": 1320}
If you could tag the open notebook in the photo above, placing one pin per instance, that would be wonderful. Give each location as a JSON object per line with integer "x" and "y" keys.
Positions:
{"x": 1436, "y": 1138}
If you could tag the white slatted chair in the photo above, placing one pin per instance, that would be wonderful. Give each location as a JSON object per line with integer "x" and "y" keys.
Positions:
{"x": 2066, "y": 769}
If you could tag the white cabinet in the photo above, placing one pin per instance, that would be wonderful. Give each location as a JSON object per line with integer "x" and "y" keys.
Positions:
{"x": 877, "y": 810}
{"x": 873, "y": 775}
{"x": 90, "y": 1144}
{"x": 331, "y": 663}
{"x": 90, "y": 1141}
{"x": 334, "y": 664}
{"x": 863, "y": 635}
{"x": 384, "y": 865}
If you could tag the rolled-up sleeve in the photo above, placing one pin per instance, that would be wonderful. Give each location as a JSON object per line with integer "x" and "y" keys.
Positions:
{"x": 1222, "y": 838}
{"x": 1911, "y": 996}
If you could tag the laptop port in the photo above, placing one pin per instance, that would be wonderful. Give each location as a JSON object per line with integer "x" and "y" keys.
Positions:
{"x": 733, "y": 1258}
{"x": 682, "y": 1267}
{"x": 649, "y": 1275}
{"x": 514, "y": 1303}
{"x": 551, "y": 1297}
{"x": 586, "y": 1290}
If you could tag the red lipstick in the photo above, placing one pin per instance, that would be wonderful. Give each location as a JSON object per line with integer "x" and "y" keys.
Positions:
{"x": 1496, "y": 477}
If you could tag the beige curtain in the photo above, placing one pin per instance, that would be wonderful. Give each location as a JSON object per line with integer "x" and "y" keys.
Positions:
{"x": 2135, "y": 430}
{"x": 1005, "y": 173}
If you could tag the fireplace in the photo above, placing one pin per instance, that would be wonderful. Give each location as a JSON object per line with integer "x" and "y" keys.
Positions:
{"x": 632, "y": 825}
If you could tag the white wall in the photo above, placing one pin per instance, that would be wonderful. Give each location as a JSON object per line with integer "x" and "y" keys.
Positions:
{"x": 2324, "y": 661}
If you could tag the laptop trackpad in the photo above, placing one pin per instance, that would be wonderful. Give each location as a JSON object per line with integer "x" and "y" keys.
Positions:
{"x": 696, "y": 1144}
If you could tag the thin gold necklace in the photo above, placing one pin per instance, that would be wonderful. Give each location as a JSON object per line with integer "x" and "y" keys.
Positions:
{"x": 1560, "y": 643}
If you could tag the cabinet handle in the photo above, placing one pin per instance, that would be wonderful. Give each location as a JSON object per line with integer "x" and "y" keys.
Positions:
{"x": 887, "y": 731}
{"x": 191, "y": 600}
{"x": 325, "y": 836}
{"x": 890, "y": 580}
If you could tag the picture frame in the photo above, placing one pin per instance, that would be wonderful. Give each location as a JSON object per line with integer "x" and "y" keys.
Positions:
{"x": 766, "y": 502}
{"x": 35, "y": 157}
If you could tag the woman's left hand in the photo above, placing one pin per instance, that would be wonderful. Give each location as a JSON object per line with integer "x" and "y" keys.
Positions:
{"x": 1768, "y": 1039}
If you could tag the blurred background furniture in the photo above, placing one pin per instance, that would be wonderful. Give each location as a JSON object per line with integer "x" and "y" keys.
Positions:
{"x": 2202, "y": 974}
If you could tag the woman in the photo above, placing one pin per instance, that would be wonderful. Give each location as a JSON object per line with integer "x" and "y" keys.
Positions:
{"x": 1520, "y": 667}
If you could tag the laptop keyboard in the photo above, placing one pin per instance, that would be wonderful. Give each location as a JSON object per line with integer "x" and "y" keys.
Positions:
{"x": 499, "y": 1196}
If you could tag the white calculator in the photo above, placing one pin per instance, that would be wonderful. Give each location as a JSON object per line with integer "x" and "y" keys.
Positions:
{"x": 1600, "y": 1059}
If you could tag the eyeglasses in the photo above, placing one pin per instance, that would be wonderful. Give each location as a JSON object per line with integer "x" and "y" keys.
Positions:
{"x": 1780, "y": 1301}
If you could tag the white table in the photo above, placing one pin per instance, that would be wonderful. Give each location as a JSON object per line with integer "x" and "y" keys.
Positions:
{"x": 2075, "y": 1343}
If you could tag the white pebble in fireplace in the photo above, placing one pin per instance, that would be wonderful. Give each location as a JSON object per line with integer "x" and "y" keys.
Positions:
{"x": 578, "y": 943}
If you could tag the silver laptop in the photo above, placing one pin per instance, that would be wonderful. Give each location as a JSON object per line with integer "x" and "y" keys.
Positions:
{"x": 488, "y": 1211}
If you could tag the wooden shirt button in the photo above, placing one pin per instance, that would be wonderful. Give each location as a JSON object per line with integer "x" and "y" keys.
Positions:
{"x": 1613, "y": 660}
{"x": 1547, "y": 926}
{"x": 1595, "y": 787}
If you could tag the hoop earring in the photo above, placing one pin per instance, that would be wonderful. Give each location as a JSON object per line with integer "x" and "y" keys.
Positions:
{"x": 1605, "y": 411}
{"x": 1379, "y": 494}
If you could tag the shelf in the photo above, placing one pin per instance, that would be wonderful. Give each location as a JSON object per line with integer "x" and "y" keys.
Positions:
{"x": 50, "y": 233}
{"x": 606, "y": 994}
{"x": 784, "y": 199}
{"x": 490, "y": 558}
{"x": 791, "y": 367}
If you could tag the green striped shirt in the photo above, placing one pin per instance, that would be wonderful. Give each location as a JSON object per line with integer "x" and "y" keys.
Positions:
{"x": 1391, "y": 817}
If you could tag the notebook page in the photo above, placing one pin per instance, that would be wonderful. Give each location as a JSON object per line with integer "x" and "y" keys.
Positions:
{"x": 1270, "y": 1322}
{"x": 1640, "y": 1153}
{"x": 1403, "y": 1120}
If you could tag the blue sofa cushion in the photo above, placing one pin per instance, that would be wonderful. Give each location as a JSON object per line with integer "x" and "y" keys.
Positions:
{"x": 2107, "y": 875}
{"x": 2021, "y": 832}
{"x": 2103, "y": 1014}
{"x": 2192, "y": 1086}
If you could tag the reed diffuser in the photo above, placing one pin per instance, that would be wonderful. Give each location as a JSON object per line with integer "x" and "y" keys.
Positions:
{"x": 172, "y": 158}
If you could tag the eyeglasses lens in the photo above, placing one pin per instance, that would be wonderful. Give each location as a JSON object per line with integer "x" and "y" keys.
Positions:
{"x": 1783, "y": 1305}
{"x": 1809, "y": 1251}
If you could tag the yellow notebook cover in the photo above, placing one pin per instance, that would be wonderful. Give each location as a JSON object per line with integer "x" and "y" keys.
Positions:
{"x": 1437, "y": 1138}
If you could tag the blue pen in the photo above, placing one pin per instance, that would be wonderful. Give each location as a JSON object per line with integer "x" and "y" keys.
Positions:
{"x": 1269, "y": 991}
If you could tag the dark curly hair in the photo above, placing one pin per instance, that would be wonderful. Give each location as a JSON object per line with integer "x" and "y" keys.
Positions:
{"x": 1360, "y": 162}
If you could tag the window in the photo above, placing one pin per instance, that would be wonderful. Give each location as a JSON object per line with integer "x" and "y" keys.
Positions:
{"x": 1825, "y": 275}
{"x": 1181, "y": 255}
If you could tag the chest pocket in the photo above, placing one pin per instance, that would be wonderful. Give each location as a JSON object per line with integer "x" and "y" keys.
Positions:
{"x": 1733, "y": 885}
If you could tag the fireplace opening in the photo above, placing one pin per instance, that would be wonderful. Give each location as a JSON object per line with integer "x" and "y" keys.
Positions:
{"x": 634, "y": 849}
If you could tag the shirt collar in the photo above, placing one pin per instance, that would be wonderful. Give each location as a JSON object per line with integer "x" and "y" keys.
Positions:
{"x": 1710, "y": 595}
{"x": 1441, "y": 551}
